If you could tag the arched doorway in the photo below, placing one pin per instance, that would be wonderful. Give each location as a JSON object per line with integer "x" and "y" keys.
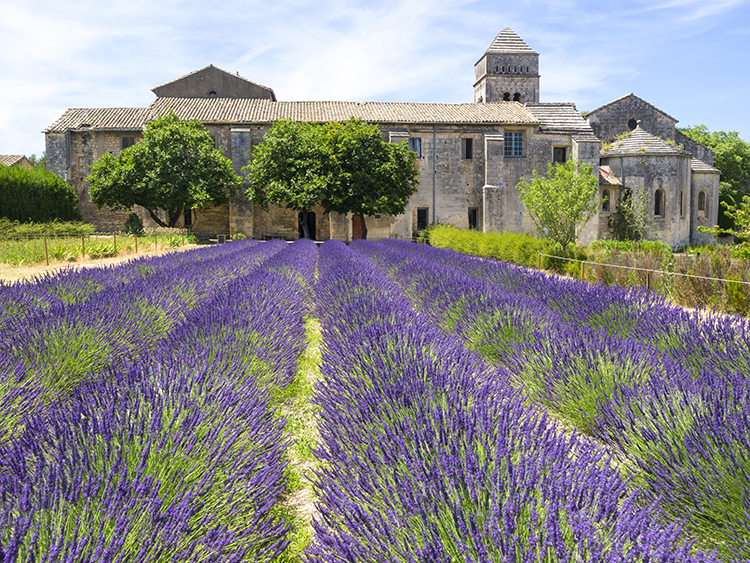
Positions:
{"x": 310, "y": 224}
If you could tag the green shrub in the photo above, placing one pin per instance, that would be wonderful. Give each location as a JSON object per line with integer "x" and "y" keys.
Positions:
{"x": 239, "y": 236}
{"x": 35, "y": 195}
{"x": 133, "y": 225}
{"x": 518, "y": 248}
{"x": 16, "y": 229}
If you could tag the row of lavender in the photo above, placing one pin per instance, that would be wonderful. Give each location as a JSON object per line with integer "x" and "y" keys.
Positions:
{"x": 165, "y": 447}
{"x": 666, "y": 390}
{"x": 429, "y": 454}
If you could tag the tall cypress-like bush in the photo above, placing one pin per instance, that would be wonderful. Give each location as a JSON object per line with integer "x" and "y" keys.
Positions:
{"x": 36, "y": 195}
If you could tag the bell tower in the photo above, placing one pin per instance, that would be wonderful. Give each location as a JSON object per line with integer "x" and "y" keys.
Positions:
{"x": 508, "y": 71}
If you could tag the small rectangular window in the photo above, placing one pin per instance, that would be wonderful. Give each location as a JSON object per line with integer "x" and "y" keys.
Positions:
{"x": 423, "y": 218}
{"x": 415, "y": 145}
{"x": 126, "y": 142}
{"x": 513, "y": 144}
{"x": 467, "y": 147}
{"x": 560, "y": 154}
{"x": 188, "y": 214}
{"x": 473, "y": 218}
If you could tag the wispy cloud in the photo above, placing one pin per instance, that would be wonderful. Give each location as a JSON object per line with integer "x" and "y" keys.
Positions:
{"x": 84, "y": 53}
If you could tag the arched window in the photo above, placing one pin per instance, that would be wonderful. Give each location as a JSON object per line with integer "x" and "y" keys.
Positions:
{"x": 659, "y": 203}
{"x": 212, "y": 94}
{"x": 682, "y": 203}
{"x": 506, "y": 97}
{"x": 516, "y": 97}
{"x": 605, "y": 200}
{"x": 702, "y": 203}
{"x": 633, "y": 123}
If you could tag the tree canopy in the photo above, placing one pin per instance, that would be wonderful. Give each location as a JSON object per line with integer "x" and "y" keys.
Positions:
{"x": 175, "y": 166}
{"x": 344, "y": 167}
{"x": 562, "y": 203}
{"x": 370, "y": 175}
{"x": 732, "y": 159}
{"x": 291, "y": 167}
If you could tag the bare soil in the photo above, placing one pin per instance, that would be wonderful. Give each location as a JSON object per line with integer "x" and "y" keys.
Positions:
{"x": 10, "y": 274}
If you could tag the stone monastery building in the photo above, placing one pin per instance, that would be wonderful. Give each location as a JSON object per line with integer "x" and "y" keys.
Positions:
{"x": 470, "y": 156}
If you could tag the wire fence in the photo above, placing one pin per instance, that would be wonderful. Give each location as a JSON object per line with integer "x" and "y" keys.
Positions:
{"x": 648, "y": 271}
{"x": 25, "y": 249}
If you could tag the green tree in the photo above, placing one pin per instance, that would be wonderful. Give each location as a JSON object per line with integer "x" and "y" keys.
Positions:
{"x": 562, "y": 203}
{"x": 369, "y": 175}
{"x": 39, "y": 162}
{"x": 630, "y": 220}
{"x": 732, "y": 160}
{"x": 175, "y": 166}
{"x": 740, "y": 217}
{"x": 343, "y": 167}
{"x": 291, "y": 167}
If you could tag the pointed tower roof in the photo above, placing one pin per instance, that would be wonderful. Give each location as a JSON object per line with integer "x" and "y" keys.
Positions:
{"x": 508, "y": 41}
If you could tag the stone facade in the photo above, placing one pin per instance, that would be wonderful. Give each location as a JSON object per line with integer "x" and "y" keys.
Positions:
{"x": 470, "y": 157}
{"x": 648, "y": 156}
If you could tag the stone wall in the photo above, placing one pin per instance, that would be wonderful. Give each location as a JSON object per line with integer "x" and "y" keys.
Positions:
{"x": 612, "y": 119}
{"x": 699, "y": 151}
{"x": 708, "y": 183}
{"x": 647, "y": 174}
{"x": 212, "y": 82}
{"x": 499, "y": 73}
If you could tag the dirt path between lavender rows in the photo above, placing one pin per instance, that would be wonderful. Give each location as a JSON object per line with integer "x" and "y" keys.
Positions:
{"x": 10, "y": 274}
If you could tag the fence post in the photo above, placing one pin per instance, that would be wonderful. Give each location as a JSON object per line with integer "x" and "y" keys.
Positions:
{"x": 136, "y": 243}
{"x": 648, "y": 281}
{"x": 114, "y": 243}
{"x": 538, "y": 260}
{"x": 46, "y": 252}
{"x": 583, "y": 271}
{"x": 83, "y": 247}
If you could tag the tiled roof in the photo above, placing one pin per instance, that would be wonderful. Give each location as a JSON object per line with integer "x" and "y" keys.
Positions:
{"x": 607, "y": 177}
{"x": 101, "y": 119}
{"x": 642, "y": 143}
{"x": 561, "y": 118}
{"x": 702, "y": 167}
{"x": 631, "y": 95}
{"x": 230, "y": 110}
{"x": 508, "y": 41}
{"x": 205, "y": 68}
{"x": 11, "y": 159}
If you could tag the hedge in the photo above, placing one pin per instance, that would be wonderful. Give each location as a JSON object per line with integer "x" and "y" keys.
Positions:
{"x": 36, "y": 195}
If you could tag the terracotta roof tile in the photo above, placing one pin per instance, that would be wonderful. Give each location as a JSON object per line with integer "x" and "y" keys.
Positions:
{"x": 703, "y": 167}
{"x": 230, "y": 110}
{"x": 101, "y": 119}
{"x": 11, "y": 159}
{"x": 561, "y": 118}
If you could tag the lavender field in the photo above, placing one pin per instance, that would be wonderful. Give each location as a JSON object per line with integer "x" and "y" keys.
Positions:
{"x": 462, "y": 410}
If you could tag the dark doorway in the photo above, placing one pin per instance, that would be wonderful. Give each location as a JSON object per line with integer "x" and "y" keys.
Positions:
{"x": 423, "y": 219}
{"x": 356, "y": 228}
{"x": 473, "y": 218}
{"x": 310, "y": 224}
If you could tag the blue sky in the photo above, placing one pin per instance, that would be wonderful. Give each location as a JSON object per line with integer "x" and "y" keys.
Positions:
{"x": 689, "y": 58}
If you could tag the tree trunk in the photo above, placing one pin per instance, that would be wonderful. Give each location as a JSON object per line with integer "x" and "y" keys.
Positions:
{"x": 305, "y": 229}
{"x": 364, "y": 226}
{"x": 155, "y": 217}
{"x": 174, "y": 216}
